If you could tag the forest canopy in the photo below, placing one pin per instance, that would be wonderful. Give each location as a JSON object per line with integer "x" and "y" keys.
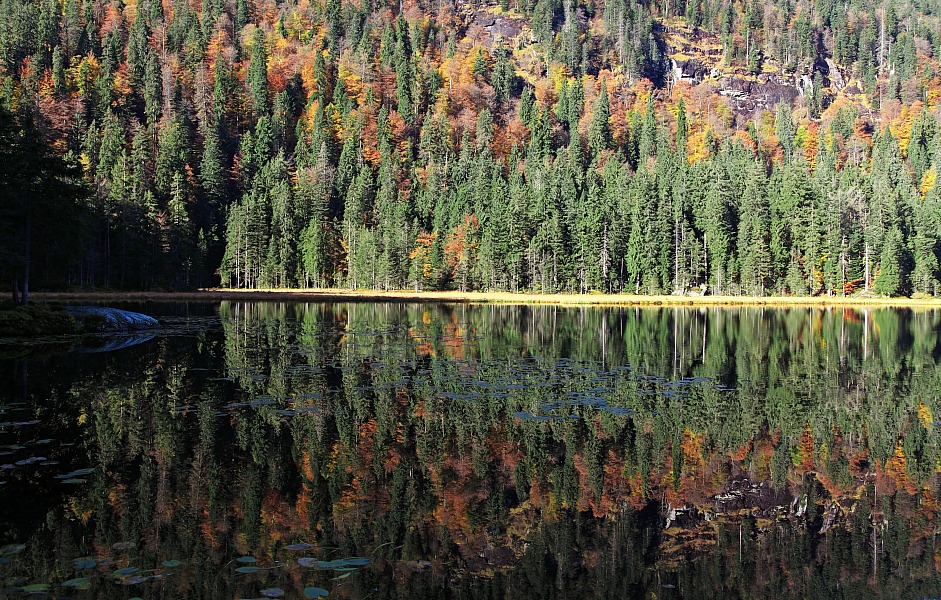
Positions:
{"x": 773, "y": 147}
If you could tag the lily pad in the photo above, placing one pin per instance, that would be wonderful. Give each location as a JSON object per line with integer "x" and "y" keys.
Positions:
{"x": 338, "y": 564}
{"x": 358, "y": 561}
{"x": 246, "y": 559}
{"x": 80, "y": 583}
{"x": 125, "y": 572}
{"x": 315, "y": 592}
{"x": 36, "y": 588}
{"x": 76, "y": 473}
{"x": 81, "y": 564}
{"x": 272, "y": 592}
{"x": 171, "y": 563}
{"x": 12, "y": 549}
{"x": 247, "y": 569}
{"x": 302, "y": 546}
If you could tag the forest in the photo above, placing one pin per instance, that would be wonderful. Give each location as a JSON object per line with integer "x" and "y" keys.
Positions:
{"x": 636, "y": 146}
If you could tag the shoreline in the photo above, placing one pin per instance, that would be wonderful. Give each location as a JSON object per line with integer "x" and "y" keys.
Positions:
{"x": 344, "y": 295}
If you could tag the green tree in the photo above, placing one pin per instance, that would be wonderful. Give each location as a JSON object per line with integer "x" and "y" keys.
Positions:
{"x": 40, "y": 199}
{"x": 891, "y": 277}
{"x": 257, "y": 75}
{"x": 784, "y": 128}
{"x": 599, "y": 132}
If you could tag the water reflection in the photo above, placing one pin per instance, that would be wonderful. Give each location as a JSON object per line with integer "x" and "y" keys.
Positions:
{"x": 401, "y": 450}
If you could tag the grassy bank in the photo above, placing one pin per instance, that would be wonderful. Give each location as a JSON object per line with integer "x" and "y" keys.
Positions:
{"x": 35, "y": 320}
{"x": 321, "y": 295}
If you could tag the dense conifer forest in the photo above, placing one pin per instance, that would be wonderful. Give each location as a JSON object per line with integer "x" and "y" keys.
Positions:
{"x": 772, "y": 147}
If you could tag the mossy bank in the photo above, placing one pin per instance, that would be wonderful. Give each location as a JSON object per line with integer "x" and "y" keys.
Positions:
{"x": 50, "y": 319}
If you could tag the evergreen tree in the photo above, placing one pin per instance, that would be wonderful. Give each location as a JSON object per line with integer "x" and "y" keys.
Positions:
{"x": 599, "y": 133}
{"x": 890, "y": 279}
{"x": 784, "y": 128}
{"x": 257, "y": 75}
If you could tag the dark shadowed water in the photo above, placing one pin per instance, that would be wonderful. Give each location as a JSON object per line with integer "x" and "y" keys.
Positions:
{"x": 357, "y": 450}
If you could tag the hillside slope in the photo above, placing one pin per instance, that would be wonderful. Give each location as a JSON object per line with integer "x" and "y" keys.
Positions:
{"x": 733, "y": 147}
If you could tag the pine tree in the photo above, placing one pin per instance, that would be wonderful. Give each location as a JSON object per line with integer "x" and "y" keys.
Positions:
{"x": 257, "y": 75}
{"x": 648, "y": 131}
{"x": 212, "y": 171}
{"x": 599, "y": 132}
{"x": 753, "y": 236}
{"x": 890, "y": 279}
{"x": 784, "y": 128}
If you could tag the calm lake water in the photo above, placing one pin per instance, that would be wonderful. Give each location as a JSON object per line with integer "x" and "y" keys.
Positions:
{"x": 252, "y": 450}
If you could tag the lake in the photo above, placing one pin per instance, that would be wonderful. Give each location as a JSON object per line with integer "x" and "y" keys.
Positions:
{"x": 397, "y": 450}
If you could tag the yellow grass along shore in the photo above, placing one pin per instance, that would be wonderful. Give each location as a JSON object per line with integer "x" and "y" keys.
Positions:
{"x": 341, "y": 295}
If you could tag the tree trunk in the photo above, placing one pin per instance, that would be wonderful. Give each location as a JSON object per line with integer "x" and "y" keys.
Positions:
{"x": 26, "y": 253}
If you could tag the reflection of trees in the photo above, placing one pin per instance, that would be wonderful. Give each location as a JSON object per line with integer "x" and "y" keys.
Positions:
{"x": 400, "y": 461}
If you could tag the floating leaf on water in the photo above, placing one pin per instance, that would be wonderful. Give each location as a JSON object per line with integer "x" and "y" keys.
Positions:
{"x": 81, "y": 564}
{"x": 125, "y": 572}
{"x": 301, "y": 546}
{"x": 272, "y": 592}
{"x": 30, "y": 460}
{"x": 340, "y": 564}
{"x": 76, "y": 473}
{"x": 246, "y": 559}
{"x": 343, "y": 576}
{"x": 315, "y": 592}
{"x": 356, "y": 561}
{"x": 247, "y": 569}
{"x": 529, "y": 417}
{"x": 171, "y": 563}
{"x": 36, "y": 588}
{"x": 81, "y": 583}
{"x": 12, "y": 549}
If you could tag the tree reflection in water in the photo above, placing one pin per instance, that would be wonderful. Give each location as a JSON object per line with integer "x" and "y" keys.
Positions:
{"x": 482, "y": 451}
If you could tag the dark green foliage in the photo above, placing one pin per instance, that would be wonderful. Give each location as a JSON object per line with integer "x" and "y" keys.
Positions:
{"x": 33, "y": 320}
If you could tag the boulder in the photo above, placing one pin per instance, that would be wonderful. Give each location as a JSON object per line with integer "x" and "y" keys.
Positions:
{"x": 103, "y": 318}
